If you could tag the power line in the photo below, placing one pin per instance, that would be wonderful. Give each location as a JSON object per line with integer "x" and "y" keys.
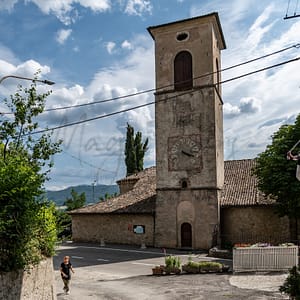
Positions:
{"x": 87, "y": 163}
{"x": 152, "y": 90}
{"x": 169, "y": 98}
{"x": 170, "y": 85}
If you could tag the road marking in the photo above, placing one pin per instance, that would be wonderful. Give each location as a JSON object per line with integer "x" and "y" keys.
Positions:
{"x": 123, "y": 250}
{"x": 78, "y": 257}
{"x": 144, "y": 264}
{"x": 102, "y": 259}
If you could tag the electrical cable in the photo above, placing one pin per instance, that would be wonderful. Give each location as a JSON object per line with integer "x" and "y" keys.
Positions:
{"x": 87, "y": 163}
{"x": 170, "y": 85}
{"x": 296, "y": 7}
{"x": 287, "y": 10}
{"x": 169, "y": 98}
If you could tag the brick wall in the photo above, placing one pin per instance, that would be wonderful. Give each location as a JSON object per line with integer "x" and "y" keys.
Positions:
{"x": 38, "y": 283}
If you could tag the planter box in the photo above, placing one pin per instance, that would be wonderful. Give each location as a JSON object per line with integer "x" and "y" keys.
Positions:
{"x": 201, "y": 269}
{"x": 157, "y": 271}
{"x": 172, "y": 270}
{"x": 264, "y": 258}
{"x": 190, "y": 269}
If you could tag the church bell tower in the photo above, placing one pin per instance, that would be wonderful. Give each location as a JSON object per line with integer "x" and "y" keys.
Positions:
{"x": 189, "y": 132}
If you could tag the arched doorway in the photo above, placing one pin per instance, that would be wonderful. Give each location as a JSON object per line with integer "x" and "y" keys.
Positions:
{"x": 186, "y": 235}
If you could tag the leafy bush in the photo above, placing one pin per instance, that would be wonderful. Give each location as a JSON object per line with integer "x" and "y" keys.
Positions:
{"x": 46, "y": 231}
{"x": 27, "y": 227}
{"x": 291, "y": 286}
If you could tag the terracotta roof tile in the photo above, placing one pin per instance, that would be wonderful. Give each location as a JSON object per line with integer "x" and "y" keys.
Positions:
{"x": 240, "y": 189}
{"x": 141, "y": 199}
{"x": 240, "y": 186}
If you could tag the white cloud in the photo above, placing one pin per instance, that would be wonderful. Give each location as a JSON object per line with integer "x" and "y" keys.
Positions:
{"x": 230, "y": 110}
{"x": 138, "y": 7}
{"x": 62, "y": 35}
{"x": 65, "y": 10}
{"x": 110, "y": 46}
{"x": 247, "y": 105}
{"x": 250, "y": 105}
{"x": 7, "y": 4}
{"x": 27, "y": 69}
{"x": 126, "y": 45}
{"x": 7, "y": 55}
{"x": 258, "y": 30}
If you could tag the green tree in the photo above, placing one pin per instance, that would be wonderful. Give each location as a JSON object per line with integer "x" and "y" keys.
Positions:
{"x": 76, "y": 200}
{"x": 107, "y": 196}
{"x": 63, "y": 224}
{"x": 276, "y": 174}
{"x": 135, "y": 151}
{"x": 24, "y": 167}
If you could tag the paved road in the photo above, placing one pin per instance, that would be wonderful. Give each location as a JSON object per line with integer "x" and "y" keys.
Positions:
{"x": 124, "y": 273}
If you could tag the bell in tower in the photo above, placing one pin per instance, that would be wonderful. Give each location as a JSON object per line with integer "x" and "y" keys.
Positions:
{"x": 189, "y": 131}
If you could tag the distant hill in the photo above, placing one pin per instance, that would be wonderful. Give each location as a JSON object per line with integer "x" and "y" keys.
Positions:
{"x": 92, "y": 194}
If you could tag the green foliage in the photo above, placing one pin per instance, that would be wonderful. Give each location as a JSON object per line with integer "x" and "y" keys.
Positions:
{"x": 26, "y": 225}
{"x": 135, "y": 151}
{"x": 76, "y": 201}
{"x": 172, "y": 261}
{"x": 291, "y": 285}
{"x": 46, "y": 229}
{"x": 63, "y": 224}
{"x": 276, "y": 175}
{"x": 107, "y": 196}
{"x": 205, "y": 265}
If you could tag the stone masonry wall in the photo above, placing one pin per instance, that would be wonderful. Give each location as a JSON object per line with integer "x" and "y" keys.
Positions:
{"x": 253, "y": 224}
{"x": 112, "y": 228}
{"x": 38, "y": 283}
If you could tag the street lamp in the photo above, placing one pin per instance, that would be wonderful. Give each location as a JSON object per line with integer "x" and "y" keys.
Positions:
{"x": 26, "y": 78}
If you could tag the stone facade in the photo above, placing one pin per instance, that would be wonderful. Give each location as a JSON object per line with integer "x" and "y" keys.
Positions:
{"x": 189, "y": 131}
{"x": 179, "y": 201}
{"x": 113, "y": 228}
{"x": 194, "y": 207}
{"x": 253, "y": 224}
{"x": 38, "y": 283}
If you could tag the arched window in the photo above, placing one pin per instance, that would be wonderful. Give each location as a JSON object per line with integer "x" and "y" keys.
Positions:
{"x": 183, "y": 71}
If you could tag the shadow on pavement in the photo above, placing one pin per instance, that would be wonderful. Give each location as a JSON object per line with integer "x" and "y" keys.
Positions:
{"x": 88, "y": 254}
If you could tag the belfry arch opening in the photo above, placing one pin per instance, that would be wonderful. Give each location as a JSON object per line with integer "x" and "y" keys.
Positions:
{"x": 183, "y": 71}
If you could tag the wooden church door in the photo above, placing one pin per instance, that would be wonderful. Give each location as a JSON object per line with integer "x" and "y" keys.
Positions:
{"x": 186, "y": 235}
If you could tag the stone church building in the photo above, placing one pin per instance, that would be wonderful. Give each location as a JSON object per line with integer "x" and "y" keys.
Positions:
{"x": 192, "y": 198}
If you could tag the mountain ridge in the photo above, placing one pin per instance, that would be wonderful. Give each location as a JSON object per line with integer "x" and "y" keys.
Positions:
{"x": 92, "y": 193}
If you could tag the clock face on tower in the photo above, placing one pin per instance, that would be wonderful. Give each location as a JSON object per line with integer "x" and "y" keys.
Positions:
{"x": 184, "y": 153}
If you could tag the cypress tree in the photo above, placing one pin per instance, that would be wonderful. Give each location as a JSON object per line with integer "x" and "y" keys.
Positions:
{"x": 135, "y": 151}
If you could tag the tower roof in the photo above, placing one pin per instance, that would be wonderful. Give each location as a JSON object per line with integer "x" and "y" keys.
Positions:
{"x": 216, "y": 22}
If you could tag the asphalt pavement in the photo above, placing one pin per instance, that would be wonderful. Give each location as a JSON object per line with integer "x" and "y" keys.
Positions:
{"x": 118, "y": 272}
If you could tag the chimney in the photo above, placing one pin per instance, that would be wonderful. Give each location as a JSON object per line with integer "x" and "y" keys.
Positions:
{"x": 126, "y": 184}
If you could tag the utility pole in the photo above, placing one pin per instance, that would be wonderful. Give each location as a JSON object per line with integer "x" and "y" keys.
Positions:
{"x": 93, "y": 189}
{"x": 295, "y": 15}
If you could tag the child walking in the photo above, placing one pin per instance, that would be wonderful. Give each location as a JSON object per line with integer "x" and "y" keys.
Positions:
{"x": 65, "y": 270}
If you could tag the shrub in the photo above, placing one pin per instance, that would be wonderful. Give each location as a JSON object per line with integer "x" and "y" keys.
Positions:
{"x": 172, "y": 261}
{"x": 291, "y": 285}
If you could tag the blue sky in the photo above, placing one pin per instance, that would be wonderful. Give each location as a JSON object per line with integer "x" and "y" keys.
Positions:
{"x": 100, "y": 49}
